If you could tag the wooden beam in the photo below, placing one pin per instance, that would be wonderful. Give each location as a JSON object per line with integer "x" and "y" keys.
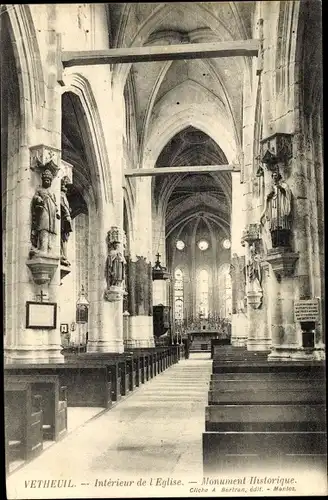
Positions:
{"x": 161, "y": 53}
{"x": 144, "y": 172}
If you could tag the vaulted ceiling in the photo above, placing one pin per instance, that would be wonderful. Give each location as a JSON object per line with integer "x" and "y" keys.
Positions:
{"x": 188, "y": 196}
{"x": 197, "y": 103}
{"x": 214, "y": 82}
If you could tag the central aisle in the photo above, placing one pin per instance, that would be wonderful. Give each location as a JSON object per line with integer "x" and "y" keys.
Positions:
{"x": 155, "y": 432}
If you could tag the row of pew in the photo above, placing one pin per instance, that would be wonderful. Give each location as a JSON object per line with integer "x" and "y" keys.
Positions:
{"x": 37, "y": 396}
{"x": 264, "y": 415}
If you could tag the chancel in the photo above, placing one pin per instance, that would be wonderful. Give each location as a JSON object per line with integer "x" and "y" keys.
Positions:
{"x": 163, "y": 247}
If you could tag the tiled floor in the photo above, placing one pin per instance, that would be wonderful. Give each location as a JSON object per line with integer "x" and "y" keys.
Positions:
{"x": 156, "y": 432}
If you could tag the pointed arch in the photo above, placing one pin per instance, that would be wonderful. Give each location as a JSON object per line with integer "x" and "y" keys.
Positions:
{"x": 28, "y": 64}
{"x": 194, "y": 116}
{"x": 79, "y": 85}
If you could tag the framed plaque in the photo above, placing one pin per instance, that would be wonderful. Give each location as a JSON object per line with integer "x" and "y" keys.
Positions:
{"x": 63, "y": 328}
{"x": 42, "y": 315}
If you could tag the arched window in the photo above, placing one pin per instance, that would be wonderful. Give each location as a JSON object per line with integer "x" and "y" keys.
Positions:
{"x": 203, "y": 289}
{"x": 178, "y": 294}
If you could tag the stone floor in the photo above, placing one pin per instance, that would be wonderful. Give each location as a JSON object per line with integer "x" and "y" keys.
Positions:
{"x": 152, "y": 437}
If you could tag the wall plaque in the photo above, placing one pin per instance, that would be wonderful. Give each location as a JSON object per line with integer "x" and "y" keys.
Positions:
{"x": 306, "y": 310}
{"x": 41, "y": 315}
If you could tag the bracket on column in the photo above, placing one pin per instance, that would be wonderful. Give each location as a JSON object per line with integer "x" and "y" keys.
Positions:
{"x": 282, "y": 261}
{"x": 42, "y": 156}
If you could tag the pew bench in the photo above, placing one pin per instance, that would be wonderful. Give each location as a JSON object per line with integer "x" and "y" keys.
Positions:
{"x": 259, "y": 395}
{"x": 88, "y": 384}
{"x": 53, "y": 402}
{"x": 265, "y": 417}
{"x": 273, "y": 377}
{"x": 23, "y": 422}
{"x": 256, "y": 451}
{"x": 297, "y": 368}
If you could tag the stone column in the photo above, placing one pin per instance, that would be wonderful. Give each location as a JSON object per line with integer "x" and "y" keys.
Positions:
{"x": 140, "y": 270}
{"x": 33, "y": 278}
{"x": 106, "y": 219}
{"x": 257, "y": 291}
{"x": 282, "y": 256}
{"x": 239, "y": 317}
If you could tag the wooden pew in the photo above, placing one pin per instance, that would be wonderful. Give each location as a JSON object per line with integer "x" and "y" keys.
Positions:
{"x": 264, "y": 451}
{"x": 257, "y": 435}
{"x": 88, "y": 384}
{"x": 23, "y": 421}
{"x": 258, "y": 395}
{"x": 115, "y": 365}
{"x": 267, "y": 366}
{"x": 54, "y": 402}
{"x": 259, "y": 418}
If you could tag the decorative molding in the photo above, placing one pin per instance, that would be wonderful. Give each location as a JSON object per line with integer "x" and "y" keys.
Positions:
{"x": 43, "y": 268}
{"x": 44, "y": 157}
{"x": 283, "y": 262}
{"x": 276, "y": 148}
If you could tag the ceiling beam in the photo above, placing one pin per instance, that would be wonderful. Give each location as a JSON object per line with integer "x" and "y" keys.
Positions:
{"x": 143, "y": 172}
{"x": 161, "y": 53}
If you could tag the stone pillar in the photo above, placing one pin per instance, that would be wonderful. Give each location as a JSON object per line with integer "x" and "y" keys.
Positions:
{"x": 37, "y": 273}
{"x": 106, "y": 223}
{"x": 305, "y": 232}
{"x": 106, "y": 291}
{"x": 239, "y": 317}
{"x": 140, "y": 270}
{"x": 257, "y": 290}
{"x": 37, "y": 277}
{"x": 281, "y": 255}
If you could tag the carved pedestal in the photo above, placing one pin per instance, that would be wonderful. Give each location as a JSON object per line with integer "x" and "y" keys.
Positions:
{"x": 283, "y": 261}
{"x": 254, "y": 299}
{"x": 43, "y": 268}
{"x": 114, "y": 293}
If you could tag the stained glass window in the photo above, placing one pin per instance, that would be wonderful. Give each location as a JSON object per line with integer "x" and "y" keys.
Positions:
{"x": 203, "y": 294}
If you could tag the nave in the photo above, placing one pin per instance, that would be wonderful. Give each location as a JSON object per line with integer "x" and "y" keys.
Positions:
{"x": 156, "y": 431}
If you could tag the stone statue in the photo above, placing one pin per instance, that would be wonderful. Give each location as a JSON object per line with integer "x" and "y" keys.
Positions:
{"x": 254, "y": 270}
{"x": 66, "y": 221}
{"x": 44, "y": 214}
{"x": 278, "y": 208}
{"x": 115, "y": 266}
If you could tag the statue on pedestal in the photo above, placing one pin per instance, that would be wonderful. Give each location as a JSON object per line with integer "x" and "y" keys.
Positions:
{"x": 44, "y": 214}
{"x": 115, "y": 266}
{"x": 66, "y": 221}
{"x": 254, "y": 270}
{"x": 278, "y": 211}
{"x": 254, "y": 286}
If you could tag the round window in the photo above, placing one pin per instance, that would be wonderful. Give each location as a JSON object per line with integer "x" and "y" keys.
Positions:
{"x": 226, "y": 244}
{"x": 180, "y": 245}
{"x": 203, "y": 245}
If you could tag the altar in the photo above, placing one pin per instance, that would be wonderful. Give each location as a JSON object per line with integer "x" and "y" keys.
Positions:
{"x": 203, "y": 331}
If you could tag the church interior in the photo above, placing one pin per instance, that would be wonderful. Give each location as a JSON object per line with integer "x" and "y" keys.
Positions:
{"x": 163, "y": 248}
